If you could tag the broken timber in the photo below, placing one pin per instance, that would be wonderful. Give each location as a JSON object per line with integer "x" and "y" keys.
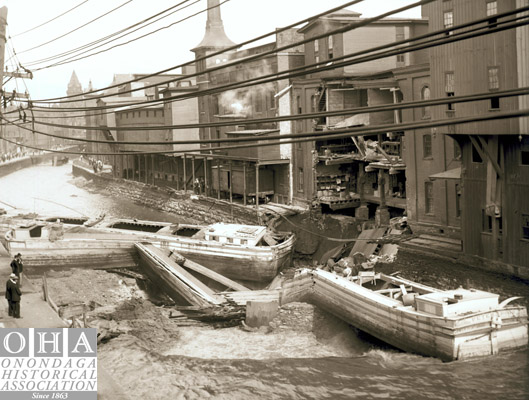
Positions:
{"x": 175, "y": 280}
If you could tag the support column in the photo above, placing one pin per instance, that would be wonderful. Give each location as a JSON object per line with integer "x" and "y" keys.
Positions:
{"x": 193, "y": 173}
{"x": 244, "y": 181}
{"x": 231, "y": 182}
{"x": 257, "y": 190}
{"x": 218, "y": 178}
{"x": 382, "y": 213}
{"x": 145, "y": 168}
{"x": 152, "y": 170}
{"x": 185, "y": 173}
{"x": 206, "y": 188}
{"x": 177, "y": 174}
{"x": 361, "y": 212}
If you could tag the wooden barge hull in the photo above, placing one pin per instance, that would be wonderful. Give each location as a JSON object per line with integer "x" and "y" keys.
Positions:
{"x": 447, "y": 338}
{"x": 259, "y": 264}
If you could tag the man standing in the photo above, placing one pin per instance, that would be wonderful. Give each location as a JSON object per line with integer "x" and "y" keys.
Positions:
{"x": 13, "y": 295}
{"x": 17, "y": 266}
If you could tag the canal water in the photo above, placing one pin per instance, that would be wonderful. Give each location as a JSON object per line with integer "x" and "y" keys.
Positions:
{"x": 367, "y": 370}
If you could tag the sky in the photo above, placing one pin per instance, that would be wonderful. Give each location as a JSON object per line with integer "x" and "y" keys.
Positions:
{"x": 243, "y": 20}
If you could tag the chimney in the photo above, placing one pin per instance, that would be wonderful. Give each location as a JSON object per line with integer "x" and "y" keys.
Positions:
{"x": 215, "y": 37}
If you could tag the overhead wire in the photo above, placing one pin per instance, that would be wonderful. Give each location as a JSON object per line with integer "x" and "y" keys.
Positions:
{"x": 326, "y": 65}
{"x": 389, "y": 45}
{"x": 93, "y": 43}
{"x": 295, "y": 117}
{"x": 53, "y": 19}
{"x": 364, "y": 129}
{"x": 76, "y": 29}
{"x": 336, "y": 134}
{"x": 234, "y": 47}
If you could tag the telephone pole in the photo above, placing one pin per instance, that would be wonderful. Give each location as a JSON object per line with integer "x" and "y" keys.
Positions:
{"x": 3, "y": 40}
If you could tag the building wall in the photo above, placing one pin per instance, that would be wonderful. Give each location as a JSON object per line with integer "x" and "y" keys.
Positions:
{"x": 470, "y": 61}
{"x": 445, "y": 213}
{"x": 183, "y": 111}
{"x": 139, "y": 118}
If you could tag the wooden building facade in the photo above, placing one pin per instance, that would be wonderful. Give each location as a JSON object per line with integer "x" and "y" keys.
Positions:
{"x": 494, "y": 154}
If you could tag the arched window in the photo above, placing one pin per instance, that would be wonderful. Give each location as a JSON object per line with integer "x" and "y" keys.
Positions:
{"x": 425, "y": 95}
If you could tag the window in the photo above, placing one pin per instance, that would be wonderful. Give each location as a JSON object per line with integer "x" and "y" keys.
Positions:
{"x": 425, "y": 95}
{"x": 525, "y": 226}
{"x": 492, "y": 8}
{"x": 486, "y": 222}
{"x": 494, "y": 84}
{"x": 449, "y": 88}
{"x": 399, "y": 35}
{"x": 259, "y": 102}
{"x": 458, "y": 200}
{"x": 427, "y": 146}
{"x": 272, "y": 104}
{"x": 448, "y": 21}
{"x": 494, "y": 81}
{"x": 215, "y": 101}
{"x": 330, "y": 47}
{"x": 301, "y": 183}
{"x": 524, "y": 150}
{"x": 298, "y": 103}
{"x": 316, "y": 51}
{"x": 428, "y": 197}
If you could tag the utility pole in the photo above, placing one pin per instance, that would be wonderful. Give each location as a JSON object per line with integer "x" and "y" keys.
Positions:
{"x": 3, "y": 39}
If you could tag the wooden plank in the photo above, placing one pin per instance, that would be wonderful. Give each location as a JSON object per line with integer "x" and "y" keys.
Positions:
{"x": 73, "y": 310}
{"x": 213, "y": 275}
{"x": 176, "y": 278}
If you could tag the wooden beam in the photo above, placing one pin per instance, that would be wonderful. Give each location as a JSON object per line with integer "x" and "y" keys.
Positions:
{"x": 484, "y": 156}
{"x": 244, "y": 181}
{"x": 206, "y": 190}
{"x": 492, "y": 159}
{"x": 231, "y": 181}
{"x": 213, "y": 275}
{"x": 185, "y": 173}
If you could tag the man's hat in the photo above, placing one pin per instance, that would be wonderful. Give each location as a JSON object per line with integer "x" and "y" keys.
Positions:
{"x": 18, "y": 255}
{"x": 13, "y": 276}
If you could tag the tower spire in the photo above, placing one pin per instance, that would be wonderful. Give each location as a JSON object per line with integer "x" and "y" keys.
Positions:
{"x": 215, "y": 37}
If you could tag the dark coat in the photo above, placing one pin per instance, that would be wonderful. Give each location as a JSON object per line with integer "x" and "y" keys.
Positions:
{"x": 17, "y": 266}
{"x": 13, "y": 292}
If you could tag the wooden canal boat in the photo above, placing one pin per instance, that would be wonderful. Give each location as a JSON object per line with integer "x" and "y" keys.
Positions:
{"x": 242, "y": 252}
{"x": 450, "y": 324}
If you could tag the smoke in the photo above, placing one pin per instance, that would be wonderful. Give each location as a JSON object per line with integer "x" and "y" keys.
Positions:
{"x": 248, "y": 101}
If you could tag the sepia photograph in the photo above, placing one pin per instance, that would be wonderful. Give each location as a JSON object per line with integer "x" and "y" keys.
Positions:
{"x": 264, "y": 199}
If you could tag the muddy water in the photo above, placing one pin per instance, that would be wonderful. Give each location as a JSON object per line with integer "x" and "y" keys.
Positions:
{"x": 339, "y": 364}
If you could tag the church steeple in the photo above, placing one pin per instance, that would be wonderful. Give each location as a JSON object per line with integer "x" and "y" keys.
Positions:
{"x": 74, "y": 87}
{"x": 215, "y": 37}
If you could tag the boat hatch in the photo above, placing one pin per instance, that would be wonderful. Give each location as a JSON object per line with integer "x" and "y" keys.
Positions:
{"x": 27, "y": 231}
{"x": 68, "y": 220}
{"x": 186, "y": 231}
{"x": 456, "y": 302}
{"x": 136, "y": 226}
{"x": 245, "y": 235}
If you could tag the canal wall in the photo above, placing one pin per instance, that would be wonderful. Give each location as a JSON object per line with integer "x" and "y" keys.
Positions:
{"x": 15, "y": 164}
{"x": 313, "y": 230}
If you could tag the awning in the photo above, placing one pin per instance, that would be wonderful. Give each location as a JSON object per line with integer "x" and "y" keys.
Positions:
{"x": 450, "y": 174}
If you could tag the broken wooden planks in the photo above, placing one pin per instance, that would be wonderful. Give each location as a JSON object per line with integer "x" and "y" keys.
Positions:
{"x": 174, "y": 279}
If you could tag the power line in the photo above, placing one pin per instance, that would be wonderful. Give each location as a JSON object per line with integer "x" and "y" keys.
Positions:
{"x": 312, "y": 136}
{"x": 319, "y": 67}
{"x": 328, "y": 64}
{"x": 348, "y": 111}
{"x": 76, "y": 29}
{"x": 234, "y": 47}
{"x": 53, "y": 19}
{"x": 93, "y": 43}
{"x": 390, "y": 45}
{"x": 389, "y": 107}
